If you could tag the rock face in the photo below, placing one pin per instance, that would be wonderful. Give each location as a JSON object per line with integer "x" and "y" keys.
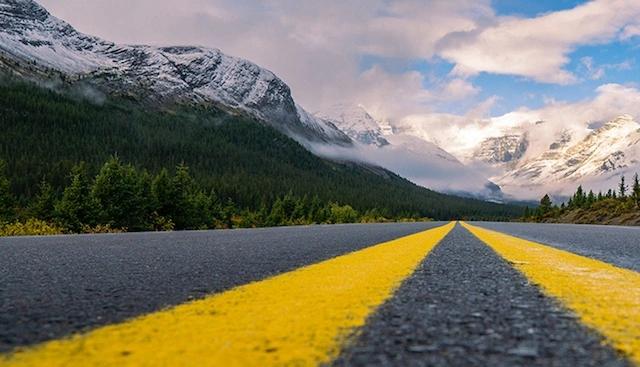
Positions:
{"x": 33, "y": 41}
{"x": 604, "y": 153}
{"x": 502, "y": 149}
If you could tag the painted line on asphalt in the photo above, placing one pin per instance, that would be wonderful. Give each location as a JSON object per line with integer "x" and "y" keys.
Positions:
{"x": 302, "y": 317}
{"x": 604, "y": 297}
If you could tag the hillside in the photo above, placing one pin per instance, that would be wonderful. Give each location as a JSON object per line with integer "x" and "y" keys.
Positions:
{"x": 45, "y": 133}
{"x": 619, "y": 206}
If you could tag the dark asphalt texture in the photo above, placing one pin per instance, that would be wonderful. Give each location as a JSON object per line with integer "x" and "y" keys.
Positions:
{"x": 53, "y": 286}
{"x": 616, "y": 245}
{"x": 465, "y": 306}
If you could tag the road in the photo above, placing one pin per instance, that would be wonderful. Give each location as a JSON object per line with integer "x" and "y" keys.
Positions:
{"x": 367, "y": 294}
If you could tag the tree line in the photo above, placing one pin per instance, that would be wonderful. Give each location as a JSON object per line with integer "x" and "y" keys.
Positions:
{"x": 46, "y": 133}
{"x": 123, "y": 198}
{"x": 624, "y": 199}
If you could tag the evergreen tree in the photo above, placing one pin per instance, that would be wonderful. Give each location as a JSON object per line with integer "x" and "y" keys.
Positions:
{"x": 636, "y": 190}
{"x": 7, "y": 200}
{"x": 527, "y": 212}
{"x": 163, "y": 192}
{"x": 277, "y": 217}
{"x": 120, "y": 195}
{"x": 545, "y": 205}
{"x": 622, "y": 188}
{"x": 78, "y": 208}
{"x": 591, "y": 198}
{"x": 185, "y": 213}
{"x": 579, "y": 198}
{"x": 43, "y": 204}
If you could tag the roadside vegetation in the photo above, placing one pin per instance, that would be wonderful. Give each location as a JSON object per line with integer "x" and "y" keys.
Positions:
{"x": 616, "y": 206}
{"x": 121, "y": 198}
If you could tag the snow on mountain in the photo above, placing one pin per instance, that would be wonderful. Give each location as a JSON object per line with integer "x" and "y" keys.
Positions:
{"x": 356, "y": 122}
{"x": 597, "y": 160}
{"x": 421, "y": 161}
{"x": 503, "y": 149}
{"x": 35, "y": 43}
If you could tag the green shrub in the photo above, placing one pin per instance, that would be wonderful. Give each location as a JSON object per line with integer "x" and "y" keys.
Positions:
{"x": 32, "y": 227}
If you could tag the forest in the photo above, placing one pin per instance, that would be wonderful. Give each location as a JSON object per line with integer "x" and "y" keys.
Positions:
{"x": 615, "y": 206}
{"x": 237, "y": 171}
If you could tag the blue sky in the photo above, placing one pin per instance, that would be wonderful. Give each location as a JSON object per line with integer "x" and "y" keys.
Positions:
{"x": 603, "y": 62}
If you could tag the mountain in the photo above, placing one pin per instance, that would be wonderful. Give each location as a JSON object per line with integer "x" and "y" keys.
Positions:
{"x": 34, "y": 43}
{"x": 246, "y": 163}
{"x": 67, "y": 97}
{"x": 502, "y": 149}
{"x": 604, "y": 154}
{"x": 356, "y": 122}
{"x": 419, "y": 160}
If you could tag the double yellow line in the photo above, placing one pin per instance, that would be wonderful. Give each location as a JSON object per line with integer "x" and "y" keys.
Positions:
{"x": 298, "y": 318}
{"x": 304, "y": 317}
{"x": 606, "y": 298}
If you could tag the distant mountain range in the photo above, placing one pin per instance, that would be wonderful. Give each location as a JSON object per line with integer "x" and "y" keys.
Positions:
{"x": 36, "y": 45}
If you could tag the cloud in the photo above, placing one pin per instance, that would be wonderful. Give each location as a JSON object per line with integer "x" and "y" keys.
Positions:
{"x": 593, "y": 72}
{"x": 539, "y": 48}
{"x": 461, "y": 134}
{"x": 314, "y": 46}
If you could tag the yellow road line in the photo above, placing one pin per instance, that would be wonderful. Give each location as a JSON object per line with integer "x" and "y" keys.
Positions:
{"x": 298, "y": 318}
{"x": 605, "y": 297}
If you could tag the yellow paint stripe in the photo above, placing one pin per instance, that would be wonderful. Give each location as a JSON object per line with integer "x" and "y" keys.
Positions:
{"x": 605, "y": 297}
{"x": 297, "y": 318}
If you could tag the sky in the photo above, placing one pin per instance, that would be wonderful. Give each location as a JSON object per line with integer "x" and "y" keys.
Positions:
{"x": 455, "y": 62}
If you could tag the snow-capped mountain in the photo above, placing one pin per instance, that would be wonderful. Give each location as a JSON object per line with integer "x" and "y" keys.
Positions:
{"x": 356, "y": 122}
{"x": 502, "y": 149}
{"x": 36, "y": 44}
{"x": 603, "y": 155}
{"x": 421, "y": 161}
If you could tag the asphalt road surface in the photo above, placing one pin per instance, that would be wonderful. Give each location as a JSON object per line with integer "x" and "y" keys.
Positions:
{"x": 441, "y": 296}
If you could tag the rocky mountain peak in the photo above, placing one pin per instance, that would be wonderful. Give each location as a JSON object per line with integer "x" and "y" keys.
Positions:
{"x": 356, "y": 122}
{"x": 39, "y": 43}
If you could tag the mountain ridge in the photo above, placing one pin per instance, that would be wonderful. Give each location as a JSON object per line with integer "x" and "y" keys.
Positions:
{"x": 38, "y": 41}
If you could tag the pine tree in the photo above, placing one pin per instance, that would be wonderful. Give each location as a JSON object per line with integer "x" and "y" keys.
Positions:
{"x": 545, "y": 205}
{"x": 7, "y": 200}
{"x": 78, "y": 208}
{"x": 43, "y": 204}
{"x": 622, "y": 188}
{"x": 162, "y": 192}
{"x": 591, "y": 198}
{"x": 119, "y": 193}
{"x": 579, "y": 199}
{"x": 636, "y": 190}
{"x": 277, "y": 217}
{"x": 184, "y": 211}
{"x": 527, "y": 212}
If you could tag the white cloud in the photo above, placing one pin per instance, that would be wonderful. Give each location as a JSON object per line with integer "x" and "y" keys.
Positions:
{"x": 462, "y": 134}
{"x": 316, "y": 47}
{"x": 593, "y": 72}
{"x": 538, "y": 48}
